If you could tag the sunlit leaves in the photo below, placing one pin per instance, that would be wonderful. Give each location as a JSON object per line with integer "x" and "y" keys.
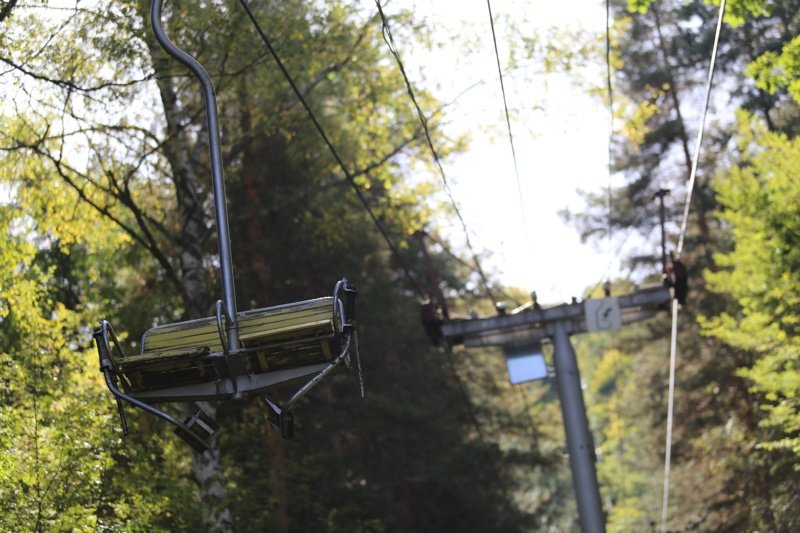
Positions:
{"x": 56, "y": 434}
{"x": 738, "y": 11}
{"x": 760, "y": 198}
{"x": 773, "y": 71}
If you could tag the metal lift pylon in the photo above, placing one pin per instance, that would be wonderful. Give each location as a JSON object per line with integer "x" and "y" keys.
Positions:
{"x": 534, "y": 324}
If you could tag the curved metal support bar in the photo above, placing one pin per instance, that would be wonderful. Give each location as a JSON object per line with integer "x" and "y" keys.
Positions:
{"x": 313, "y": 382}
{"x": 223, "y": 234}
{"x": 102, "y": 337}
{"x": 108, "y": 333}
{"x": 138, "y": 403}
{"x": 338, "y": 310}
{"x": 338, "y": 306}
{"x": 347, "y": 309}
{"x": 185, "y": 431}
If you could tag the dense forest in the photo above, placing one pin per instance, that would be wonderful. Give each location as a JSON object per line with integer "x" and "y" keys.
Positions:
{"x": 106, "y": 211}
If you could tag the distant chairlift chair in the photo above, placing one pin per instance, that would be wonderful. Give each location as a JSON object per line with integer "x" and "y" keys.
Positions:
{"x": 233, "y": 354}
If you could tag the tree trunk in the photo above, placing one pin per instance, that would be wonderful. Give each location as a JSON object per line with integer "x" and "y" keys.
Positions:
{"x": 5, "y": 11}
{"x": 251, "y": 202}
{"x": 190, "y": 242}
{"x": 702, "y": 223}
{"x": 255, "y": 163}
{"x": 673, "y": 94}
{"x": 210, "y": 477}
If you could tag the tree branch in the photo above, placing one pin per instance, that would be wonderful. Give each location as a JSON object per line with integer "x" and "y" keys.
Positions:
{"x": 69, "y": 84}
{"x": 6, "y": 9}
{"x": 149, "y": 244}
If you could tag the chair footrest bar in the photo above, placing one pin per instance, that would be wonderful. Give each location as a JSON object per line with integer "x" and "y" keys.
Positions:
{"x": 198, "y": 430}
{"x": 281, "y": 419}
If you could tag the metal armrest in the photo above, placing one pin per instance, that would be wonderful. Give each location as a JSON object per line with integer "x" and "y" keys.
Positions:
{"x": 198, "y": 430}
{"x": 281, "y": 417}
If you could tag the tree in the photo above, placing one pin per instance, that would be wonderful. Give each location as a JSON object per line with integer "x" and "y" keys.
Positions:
{"x": 720, "y": 480}
{"x": 116, "y": 131}
{"x": 760, "y": 272}
{"x": 62, "y": 456}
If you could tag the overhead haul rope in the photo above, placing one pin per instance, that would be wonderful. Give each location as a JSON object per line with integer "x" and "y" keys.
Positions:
{"x": 387, "y": 36}
{"x": 696, "y": 158}
{"x": 334, "y": 152}
{"x": 508, "y": 124}
{"x": 679, "y": 250}
{"x": 610, "y": 89}
{"x": 465, "y": 397}
{"x": 610, "y": 109}
{"x": 460, "y": 261}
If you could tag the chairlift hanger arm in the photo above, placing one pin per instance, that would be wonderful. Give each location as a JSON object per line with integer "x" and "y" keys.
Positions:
{"x": 232, "y": 354}
{"x": 214, "y": 145}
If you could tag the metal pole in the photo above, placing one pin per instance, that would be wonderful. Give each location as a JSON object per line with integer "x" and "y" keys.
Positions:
{"x": 662, "y": 218}
{"x": 576, "y": 426}
{"x": 220, "y": 207}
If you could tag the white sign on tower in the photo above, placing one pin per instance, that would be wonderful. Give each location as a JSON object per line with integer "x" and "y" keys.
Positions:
{"x": 602, "y": 314}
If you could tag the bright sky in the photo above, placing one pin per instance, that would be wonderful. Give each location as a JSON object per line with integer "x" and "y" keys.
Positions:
{"x": 560, "y": 136}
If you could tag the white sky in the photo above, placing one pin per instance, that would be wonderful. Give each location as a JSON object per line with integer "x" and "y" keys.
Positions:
{"x": 561, "y": 147}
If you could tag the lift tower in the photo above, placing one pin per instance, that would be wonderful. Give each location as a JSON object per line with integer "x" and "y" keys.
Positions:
{"x": 529, "y": 326}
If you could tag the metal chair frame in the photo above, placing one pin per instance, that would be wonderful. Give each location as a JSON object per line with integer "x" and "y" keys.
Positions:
{"x": 232, "y": 378}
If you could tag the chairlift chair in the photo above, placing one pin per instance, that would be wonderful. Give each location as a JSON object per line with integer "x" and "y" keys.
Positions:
{"x": 232, "y": 354}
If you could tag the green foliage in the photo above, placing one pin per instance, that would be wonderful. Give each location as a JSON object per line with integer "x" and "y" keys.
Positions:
{"x": 51, "y": 415}
{"x": 62, "y": 461}
{"x": 762, "y": 273}
{"x": 105, "y": 157}
{"x": 737, "y": 12}
{"x": 639, "y": 6}
{"x": 732, "y": 464}
{"x": 778, "y": 70}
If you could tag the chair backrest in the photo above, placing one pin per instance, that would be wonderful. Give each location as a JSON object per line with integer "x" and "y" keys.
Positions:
{"x": 192, "y": 333}
{"x": 273, "y": 338}
{"x": 299, "y": 320}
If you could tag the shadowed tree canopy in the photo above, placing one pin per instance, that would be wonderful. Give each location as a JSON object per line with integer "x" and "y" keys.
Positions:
{"x": 106, "y": 167}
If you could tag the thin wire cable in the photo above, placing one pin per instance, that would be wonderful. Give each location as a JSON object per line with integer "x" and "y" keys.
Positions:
{"x": 642, "y": 211}
{"x": 420, "y": 293}
{"x": 389, "y": 39}
{"x": 333, "y": 151}
{"x": 610, "y": 89}
{"x": 679, "y": 250}
{"x": 473, "y": 415}
{"x": 449, "y": 252}
{"x": 696, "y": 158}
{"x": 508, "y": 124}
{"x": 673, "y": 354}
